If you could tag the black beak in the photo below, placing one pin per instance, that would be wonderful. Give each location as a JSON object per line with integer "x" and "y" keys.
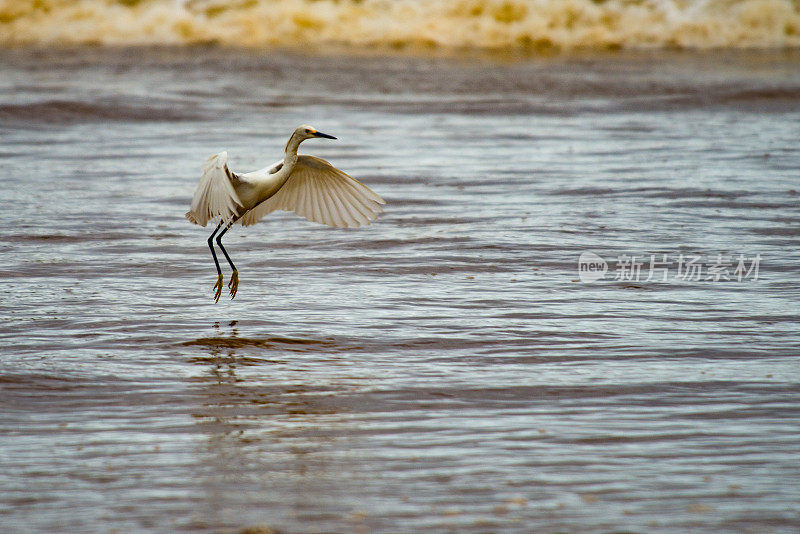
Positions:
{"x": 326, "y": 136}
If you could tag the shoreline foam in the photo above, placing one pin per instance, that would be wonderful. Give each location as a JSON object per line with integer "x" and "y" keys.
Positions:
{"x": 500, "y": 25}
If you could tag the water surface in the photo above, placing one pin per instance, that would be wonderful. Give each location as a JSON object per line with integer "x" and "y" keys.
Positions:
{"x": 444, "y": 369}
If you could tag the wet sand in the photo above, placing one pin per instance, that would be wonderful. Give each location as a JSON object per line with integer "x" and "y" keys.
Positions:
{"x": 444, "y": 369}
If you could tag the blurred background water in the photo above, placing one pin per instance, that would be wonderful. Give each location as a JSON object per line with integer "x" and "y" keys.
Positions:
{"x": 444, "y": 369}
{"x": 420, "y": 25}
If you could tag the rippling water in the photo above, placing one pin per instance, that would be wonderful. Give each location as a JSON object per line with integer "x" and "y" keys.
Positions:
{"x": 444, "y": 369}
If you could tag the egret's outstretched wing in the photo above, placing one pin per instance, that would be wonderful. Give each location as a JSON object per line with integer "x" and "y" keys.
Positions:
{"x": 321, "y": 193}
{"x": 215, "y": 197}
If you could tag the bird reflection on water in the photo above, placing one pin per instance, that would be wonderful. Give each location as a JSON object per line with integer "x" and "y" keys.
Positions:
{"x": 271, "y": 444}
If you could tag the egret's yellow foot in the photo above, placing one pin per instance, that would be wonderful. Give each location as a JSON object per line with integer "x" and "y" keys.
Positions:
{"x": 218, "y": 288}
{"x": 233, "y": 285}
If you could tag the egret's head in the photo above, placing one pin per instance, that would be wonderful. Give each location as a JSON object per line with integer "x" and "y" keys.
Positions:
{"x": 308, "y": 132}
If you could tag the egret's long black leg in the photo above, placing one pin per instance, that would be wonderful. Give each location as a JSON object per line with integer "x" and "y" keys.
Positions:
{"x": 219, "y": 241}
{"x": 218, "y": 285}
{"x": 233, "y": 285}
{"x": 211, "y": 246}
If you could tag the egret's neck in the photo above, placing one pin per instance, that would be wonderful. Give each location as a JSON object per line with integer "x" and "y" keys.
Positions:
{"x": 291, "y": 150}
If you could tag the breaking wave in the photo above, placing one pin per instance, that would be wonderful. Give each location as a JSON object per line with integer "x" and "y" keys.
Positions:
{"x": 407, "y": 24}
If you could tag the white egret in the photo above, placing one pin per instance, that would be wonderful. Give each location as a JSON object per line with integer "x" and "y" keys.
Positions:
{"x": 306, "y": 185}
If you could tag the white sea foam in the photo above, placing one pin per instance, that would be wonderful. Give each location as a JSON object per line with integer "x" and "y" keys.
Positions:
{"x": 416, "y": 24}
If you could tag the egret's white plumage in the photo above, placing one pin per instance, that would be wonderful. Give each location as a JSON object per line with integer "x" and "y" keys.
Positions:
{"x": 306, "y": 185}
{"x": 321, "y": 193}
{"x": 216, "y": 196}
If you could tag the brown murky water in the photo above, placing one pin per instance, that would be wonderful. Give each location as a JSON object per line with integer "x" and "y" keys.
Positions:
{"x": 444, "y": 369}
